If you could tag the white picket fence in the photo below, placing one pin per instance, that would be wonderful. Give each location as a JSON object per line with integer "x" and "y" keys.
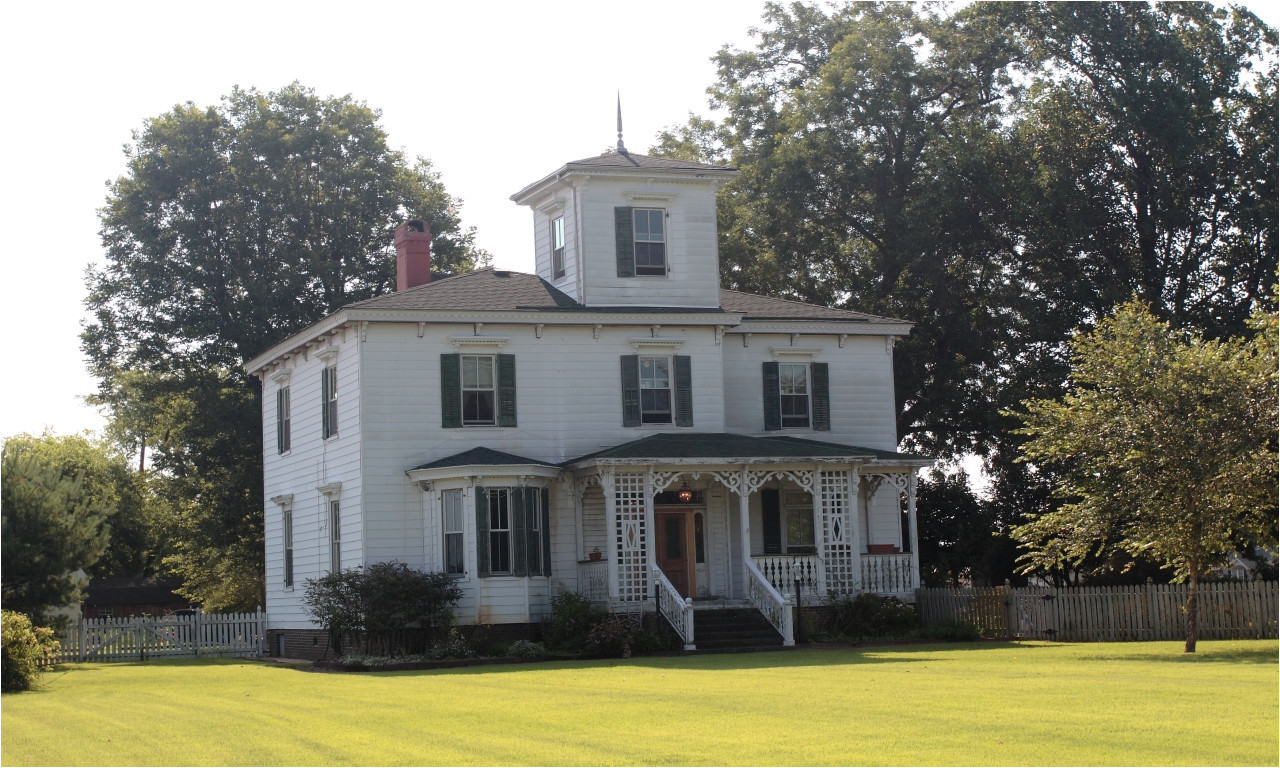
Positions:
{"x": 142, "y": 638}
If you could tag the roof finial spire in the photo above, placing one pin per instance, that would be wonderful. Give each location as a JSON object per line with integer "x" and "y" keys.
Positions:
{"x": 621, "y": 147}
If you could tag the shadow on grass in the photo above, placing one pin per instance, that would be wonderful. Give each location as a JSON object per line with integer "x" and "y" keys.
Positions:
{"x": 801, "y": 657}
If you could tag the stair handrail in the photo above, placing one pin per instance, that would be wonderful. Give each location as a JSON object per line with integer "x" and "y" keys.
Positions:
{"x": 677, "y": 610}
{"x": 771, "y": 604}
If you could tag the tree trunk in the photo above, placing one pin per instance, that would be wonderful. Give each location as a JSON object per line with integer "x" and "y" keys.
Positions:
{"x": 1193, "y": 607}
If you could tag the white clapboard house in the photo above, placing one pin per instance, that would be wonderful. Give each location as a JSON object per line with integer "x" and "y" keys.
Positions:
{"x": 616, "y": 424}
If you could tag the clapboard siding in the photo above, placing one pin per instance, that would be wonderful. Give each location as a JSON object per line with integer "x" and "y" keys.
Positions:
{"x": 310, "y": 463}
{"x": 861, "y": 387}
{"x": 693, "y": 278}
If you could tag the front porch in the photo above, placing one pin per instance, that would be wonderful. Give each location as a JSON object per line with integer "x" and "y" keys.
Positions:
{"x": 676, "y": 523}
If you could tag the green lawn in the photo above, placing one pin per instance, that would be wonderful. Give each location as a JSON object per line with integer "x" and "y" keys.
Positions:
{"x": 990, "y": 703}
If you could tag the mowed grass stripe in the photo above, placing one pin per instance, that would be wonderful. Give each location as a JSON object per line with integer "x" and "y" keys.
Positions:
{"x": 991, "y": 704}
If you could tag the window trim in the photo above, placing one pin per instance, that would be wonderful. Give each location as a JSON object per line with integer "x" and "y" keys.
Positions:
{"x": 645, "y": 413}
{"x": 286, "y": 534}
{"x": 557, "y": 248}
{"x": 449, "y": 498}
{"x": 335, "y": 536}
{"x": 492, "y": 389}
{"x": 783, "y": 394}
{"x": 649, "y": 270}
{"x": 284, "y": 421}
{"x": 329, "y": 401}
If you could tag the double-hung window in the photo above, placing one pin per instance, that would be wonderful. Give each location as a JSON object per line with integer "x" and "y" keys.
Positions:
{"x": 557, "y": 248}
{"x": 797, "y": 396}
{"x": 283, "y": 421}
{"x": 793, "y": 384}
{"x": 657, "y": 390}
{"x": 329, "y": 401}
{"x": 513, "y": 532}
{"x": 641, "y": 240}
{"x": 499, "y": 503}
{"x": 650, "y": 241}
{"x": 335, "y": 537}
{"x": 287, "y": 535}
{"x": 454, "y": 557}
{"x": 477, "y": 390}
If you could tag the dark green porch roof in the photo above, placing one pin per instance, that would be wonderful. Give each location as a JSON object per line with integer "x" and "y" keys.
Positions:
{"x": 481, "y": 457}
{"x": 708, "y": 445}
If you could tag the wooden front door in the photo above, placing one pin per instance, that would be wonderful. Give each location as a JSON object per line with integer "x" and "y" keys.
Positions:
{"x": 673, "y": 549}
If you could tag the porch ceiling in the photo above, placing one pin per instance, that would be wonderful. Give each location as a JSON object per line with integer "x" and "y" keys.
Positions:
{"x": 721, "y": 446}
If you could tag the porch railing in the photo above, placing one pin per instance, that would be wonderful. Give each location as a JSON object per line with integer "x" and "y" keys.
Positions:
{"x": 766, "y": 599}
{"x": 784, "y": 572}
{"x": 593, "y": 580}
{"x": 677, "y": 610}
{"x": 889, "y": 574}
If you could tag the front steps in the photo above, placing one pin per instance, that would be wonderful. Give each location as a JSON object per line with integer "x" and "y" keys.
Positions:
{"x": 733, "y": 629}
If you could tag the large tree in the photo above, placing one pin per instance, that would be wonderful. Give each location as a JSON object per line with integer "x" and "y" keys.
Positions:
{"x": 59, "y": 497}
{"x": 1166, "y": 446}
{"x": 1000, "y": 176}
{"x": 232, "y": 227}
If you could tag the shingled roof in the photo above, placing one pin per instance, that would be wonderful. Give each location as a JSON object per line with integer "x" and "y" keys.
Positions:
{"x": 632, "y": 160}
{"x": 725, "y": 445}
{"x": 506, "y": 291}
{"x": 482, "y": 456}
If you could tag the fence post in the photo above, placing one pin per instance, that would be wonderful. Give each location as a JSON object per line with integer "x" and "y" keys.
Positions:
{"x": 261, "y": 629}
{"x": 195, "y": 630}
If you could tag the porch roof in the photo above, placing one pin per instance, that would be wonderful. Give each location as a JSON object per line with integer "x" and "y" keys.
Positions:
{"x": 481, "y": 456}
{"x": 726, "y": 447}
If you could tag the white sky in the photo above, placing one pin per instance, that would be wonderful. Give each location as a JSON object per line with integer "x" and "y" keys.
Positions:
{"x": 496, "y": 94}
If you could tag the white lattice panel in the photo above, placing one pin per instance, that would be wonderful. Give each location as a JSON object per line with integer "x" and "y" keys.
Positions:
{"x": 632, "y": 538}
{"x": 837, "y": 536}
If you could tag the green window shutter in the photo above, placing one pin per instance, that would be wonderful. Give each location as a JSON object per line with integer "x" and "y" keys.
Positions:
{"x": 684, "y": 390}
{"x": 771, "y": 517}
{"x": 325, "y": 426}
{"x": 821, "y": 397}
{"x": 772, "y": 398}
{"x": 506, "y": 390}
{"x": 451, "y": 391}
{"x": 482, "y": 532}
{"x": 630, "y": 390}
{"x": 519, "y": 532}
{"x": 622, "y": 226}
{"x": 546, "y": 532}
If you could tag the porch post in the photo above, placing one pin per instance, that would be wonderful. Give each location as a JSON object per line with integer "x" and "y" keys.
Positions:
{"x": 911, "y": 520}
{"x": 819, "y": 530}
{"x": 610, "y": 529}
{"x": 651, "y": 536}
{"x": 744, "y": 512}
{"x": 855, "y": 524}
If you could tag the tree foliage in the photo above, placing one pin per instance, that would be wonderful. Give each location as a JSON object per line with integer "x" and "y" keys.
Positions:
{"x": 232, "y": 227}
{"x": 1001, "y": 175}
{"x": 1166, "y": 447}
{"x": 59, "y": 497}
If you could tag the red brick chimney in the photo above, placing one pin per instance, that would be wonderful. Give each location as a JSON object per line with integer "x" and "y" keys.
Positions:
{"x": 413, "y": 254}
